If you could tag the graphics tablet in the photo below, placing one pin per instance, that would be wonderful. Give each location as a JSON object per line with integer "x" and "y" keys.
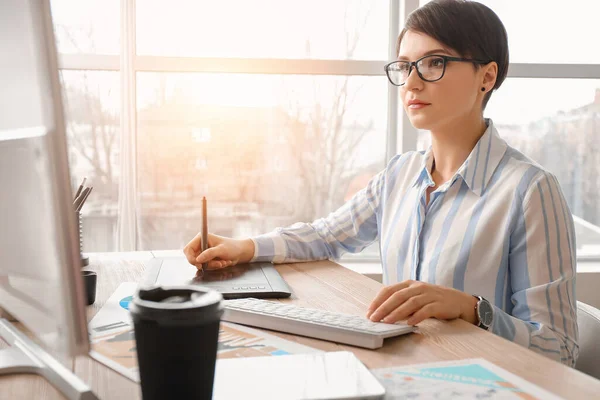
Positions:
{"x": 259, "y": 280}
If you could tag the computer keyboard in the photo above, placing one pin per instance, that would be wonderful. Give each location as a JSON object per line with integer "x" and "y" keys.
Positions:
{"x": 319, "y": 324}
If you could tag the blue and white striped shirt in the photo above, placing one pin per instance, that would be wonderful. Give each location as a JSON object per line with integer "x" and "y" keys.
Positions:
{"x": 500, "y": 228}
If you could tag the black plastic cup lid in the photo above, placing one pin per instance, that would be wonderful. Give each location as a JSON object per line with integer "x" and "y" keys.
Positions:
{"x": 177, "y": 303}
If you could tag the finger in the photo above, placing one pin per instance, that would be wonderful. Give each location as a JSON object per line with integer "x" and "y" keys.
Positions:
{"x": 429, "y": 311}
{"x": 395, "y": 301}
{"x": 189, "y": 255}
{"x": 192, "y": 248}
{"x": 384, "y": 294}
{"x": 218, "y": 264}
{"x": 195, "y": 243}
{"x": 409, "y": 307}
{"x": 197, "y": 265}
{"x": 210, "y": 254}
{"x": 214, "y": 264}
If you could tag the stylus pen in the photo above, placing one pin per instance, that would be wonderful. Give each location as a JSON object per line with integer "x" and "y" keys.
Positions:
{"x": 204, "y": 230}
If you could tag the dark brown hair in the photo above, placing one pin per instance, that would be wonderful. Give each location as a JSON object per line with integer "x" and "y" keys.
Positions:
{"x": 467, "y": 27}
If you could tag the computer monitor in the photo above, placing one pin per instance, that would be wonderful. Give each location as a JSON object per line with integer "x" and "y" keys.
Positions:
{"x": 40, "y": 266}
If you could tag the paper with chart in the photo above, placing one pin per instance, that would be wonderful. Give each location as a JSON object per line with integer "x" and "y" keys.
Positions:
{"x": 462, "y": 379}
{"x": 113, "y": 342}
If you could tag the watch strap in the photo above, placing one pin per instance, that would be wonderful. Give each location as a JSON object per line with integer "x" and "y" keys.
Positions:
{"x": 479, "y": 323}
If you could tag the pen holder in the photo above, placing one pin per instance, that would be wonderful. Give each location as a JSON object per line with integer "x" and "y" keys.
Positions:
{"x": 90, "y": 279}
{"x": 85, "y": 260}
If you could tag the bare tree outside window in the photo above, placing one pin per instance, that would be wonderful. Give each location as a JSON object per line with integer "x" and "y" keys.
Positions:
{"x": 93, "y": 132}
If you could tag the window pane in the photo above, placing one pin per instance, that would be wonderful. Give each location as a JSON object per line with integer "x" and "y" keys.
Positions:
{"x": 556, "y": 122}
{"x": 92, "y": 113}
{"x": 333, "y": 29}
{"x": 564, "y": 32}
{"x": 266, "y": 150}
{"x": 86, "y": 26}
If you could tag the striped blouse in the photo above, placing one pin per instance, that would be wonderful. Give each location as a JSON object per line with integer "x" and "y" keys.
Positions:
{"x": 500, "y": 228}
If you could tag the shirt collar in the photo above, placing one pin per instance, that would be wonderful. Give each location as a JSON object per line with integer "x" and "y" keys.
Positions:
{"x": 478, "y": 168}
{"x": 425, "y": 169}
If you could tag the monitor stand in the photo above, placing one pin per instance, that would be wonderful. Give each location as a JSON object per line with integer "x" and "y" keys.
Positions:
{"x": 26, "y": 357}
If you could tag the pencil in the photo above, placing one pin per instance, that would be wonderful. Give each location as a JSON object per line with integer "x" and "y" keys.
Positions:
{"x": 204, "y": 229}
{"x": 79, "y": 189}
{"x": 79, "y": 199}
{"x": 85, "y": 198}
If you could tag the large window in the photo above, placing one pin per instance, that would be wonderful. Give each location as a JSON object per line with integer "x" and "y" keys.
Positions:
{"x": 279, "y": 111}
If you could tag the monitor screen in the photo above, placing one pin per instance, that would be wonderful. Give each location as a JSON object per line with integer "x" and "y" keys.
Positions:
{"x": 40, "y": 278}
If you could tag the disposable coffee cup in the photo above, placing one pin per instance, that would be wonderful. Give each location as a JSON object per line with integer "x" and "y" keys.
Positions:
{"x": 176, "y": 334}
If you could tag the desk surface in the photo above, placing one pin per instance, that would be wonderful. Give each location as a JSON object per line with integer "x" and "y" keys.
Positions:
{"x": 324, "y": 285}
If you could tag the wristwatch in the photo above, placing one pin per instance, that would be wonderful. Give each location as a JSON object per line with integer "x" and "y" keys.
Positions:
{"x": 484, "y": 312}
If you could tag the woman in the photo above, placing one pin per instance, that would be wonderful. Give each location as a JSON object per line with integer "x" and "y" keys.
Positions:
{"x": 470, "y": 228}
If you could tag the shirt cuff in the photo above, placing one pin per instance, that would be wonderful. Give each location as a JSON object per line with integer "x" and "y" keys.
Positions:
{"x": 269, "y": 247}
{"x": 510, "y": 328}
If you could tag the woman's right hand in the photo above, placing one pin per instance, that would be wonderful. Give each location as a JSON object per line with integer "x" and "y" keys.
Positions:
{"x": 222, "y": 252}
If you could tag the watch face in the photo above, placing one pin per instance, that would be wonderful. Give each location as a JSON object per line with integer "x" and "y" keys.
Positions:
{"x": 486, "y": 313}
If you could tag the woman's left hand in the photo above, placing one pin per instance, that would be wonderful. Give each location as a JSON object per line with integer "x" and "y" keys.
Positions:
{"x": 418, "y": 301}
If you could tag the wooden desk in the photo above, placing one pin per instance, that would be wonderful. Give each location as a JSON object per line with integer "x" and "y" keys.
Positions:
{"x": 328, "y": 286}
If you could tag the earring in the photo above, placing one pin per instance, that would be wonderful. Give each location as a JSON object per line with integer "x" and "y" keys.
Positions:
{"x": 483, "y": 89}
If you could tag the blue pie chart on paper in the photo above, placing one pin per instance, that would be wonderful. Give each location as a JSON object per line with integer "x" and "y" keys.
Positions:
{"x": 125, "y": 302}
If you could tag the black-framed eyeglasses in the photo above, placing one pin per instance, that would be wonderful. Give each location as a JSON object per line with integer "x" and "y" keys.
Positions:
{"x": 430, "y": 68}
